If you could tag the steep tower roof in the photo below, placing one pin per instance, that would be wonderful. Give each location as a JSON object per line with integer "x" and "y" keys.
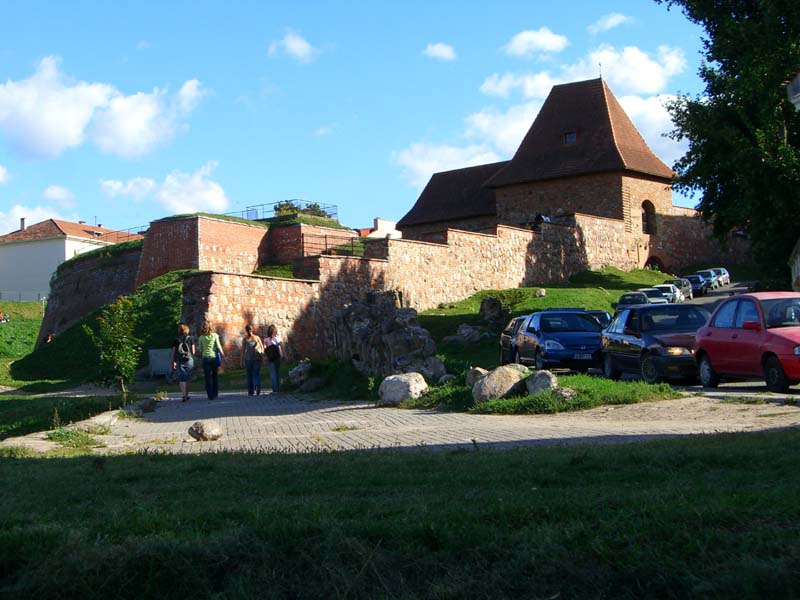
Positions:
{"x": 454, "y": 194}
{"x": 580, "y": 129}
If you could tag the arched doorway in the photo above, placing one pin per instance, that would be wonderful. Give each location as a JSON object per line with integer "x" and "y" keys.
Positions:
{"x": 655, "y": 264}
{"x": 648, "y": 218}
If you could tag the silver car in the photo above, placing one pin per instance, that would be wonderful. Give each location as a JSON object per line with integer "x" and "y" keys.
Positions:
{"x": 673, "y": 294}
{"x": 723, "y": 275}
{"x": 654, "y": 296}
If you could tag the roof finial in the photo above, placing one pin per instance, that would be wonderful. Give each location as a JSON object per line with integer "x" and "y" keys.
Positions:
{"x": 600, "y": 69}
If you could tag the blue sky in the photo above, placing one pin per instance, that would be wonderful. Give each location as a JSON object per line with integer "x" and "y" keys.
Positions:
{"x": 124, "y": 112}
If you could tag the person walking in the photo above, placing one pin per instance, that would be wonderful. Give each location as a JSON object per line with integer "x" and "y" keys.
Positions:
{"x": 209, "y": 347}
{"x": 183, "y": 358}
{"x": 273, "y": 349}
{"x": 252, "y": 353}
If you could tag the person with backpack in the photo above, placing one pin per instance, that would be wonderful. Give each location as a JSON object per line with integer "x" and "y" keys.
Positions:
{"x": 211, "y": 352}
{"x": 273, "y": 349}
{"x": 183, "y": 358}
{"x": 252, "y": 353}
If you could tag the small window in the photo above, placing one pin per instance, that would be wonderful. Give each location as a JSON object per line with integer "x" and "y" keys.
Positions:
{"x": 570, "y": 138}
{"x": 725, "y": 314}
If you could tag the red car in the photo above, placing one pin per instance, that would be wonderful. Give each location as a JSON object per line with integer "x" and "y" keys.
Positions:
{"x": 752, "y": 336}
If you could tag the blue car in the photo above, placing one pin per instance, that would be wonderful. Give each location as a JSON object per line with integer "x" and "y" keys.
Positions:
{"x": 566, "y": 338}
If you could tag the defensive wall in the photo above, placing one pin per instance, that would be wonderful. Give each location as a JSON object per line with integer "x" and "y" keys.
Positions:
{"x": 424, "y": 273}
{"x": 86, "y": 284}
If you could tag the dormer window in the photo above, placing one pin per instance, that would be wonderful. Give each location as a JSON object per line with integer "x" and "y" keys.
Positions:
{"x": 570, "y": 137}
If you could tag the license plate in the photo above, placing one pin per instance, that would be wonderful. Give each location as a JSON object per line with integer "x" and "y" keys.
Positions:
{"x": 583, "y": 357}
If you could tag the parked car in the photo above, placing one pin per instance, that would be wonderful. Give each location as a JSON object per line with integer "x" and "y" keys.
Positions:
{"x": 684, "y": 285}
{"x": 711, "y": 277}
{"x": 629, "y": 298}
{"x": 653, "y": 340}
{"x": 559, "y": 338}
{"x": 752, "y": 336}
{"x": 603, "y": 316}
{"x": 723, "y": 275}
{"x": 654, "y": 296}
{"x": 671, "y": 293}
{"x": 699, "y": 285}
{"x": 508, "y": 339}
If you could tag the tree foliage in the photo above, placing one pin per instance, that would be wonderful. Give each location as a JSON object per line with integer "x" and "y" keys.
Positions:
{"x": 296, "y": 207}
{"x": 114, "y": 340}
{"x": 743, "y": 133}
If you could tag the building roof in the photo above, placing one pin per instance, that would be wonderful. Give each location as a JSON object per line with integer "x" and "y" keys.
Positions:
{"x": 454, "y": 194}
{"x": 54, "y": 228}
{"x": 605, "y": 139}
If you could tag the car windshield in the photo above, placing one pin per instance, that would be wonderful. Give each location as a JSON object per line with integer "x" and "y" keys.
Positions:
{"x": 707, "y": 274}
{"x": 694, "y": 278}
{"x": 653, "y": 293}
{"x": 633, "y": 299}
{"x": 781, "y": 312}
{"x": 675, "y": 282}
{"x": 602, "y": 317}
{"x": 674, "y": 318}
{"x": 569, "y": 322}
{"x": 664, "y": 288}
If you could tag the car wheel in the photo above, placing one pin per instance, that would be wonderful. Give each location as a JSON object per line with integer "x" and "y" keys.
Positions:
{"x": 775, "y": 376}
{"x": 539, "y": 361}
{"x": 708, "y": 377}
{"x": 648, "y": 369}
{"x": 609, "y": 371}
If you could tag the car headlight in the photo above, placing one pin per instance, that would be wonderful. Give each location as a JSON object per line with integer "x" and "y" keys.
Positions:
{"x": 796, "y": 350}
{"x": 679, "y": 351}
{"x": 553, "y": 345}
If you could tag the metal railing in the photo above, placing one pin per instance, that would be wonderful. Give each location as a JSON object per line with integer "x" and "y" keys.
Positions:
{"x": 124, "y": 235}
{"x": 332, "y": 245}
{"x": 23, "y": 295}
{"x": 260, "y": 212}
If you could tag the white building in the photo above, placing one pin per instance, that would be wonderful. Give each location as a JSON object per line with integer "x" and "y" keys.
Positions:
{"x": 30, "y": 255}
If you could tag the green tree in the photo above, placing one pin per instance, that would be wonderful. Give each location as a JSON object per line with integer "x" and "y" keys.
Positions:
{"x": 119, "y": 350}
{"x": 743, "y": 133}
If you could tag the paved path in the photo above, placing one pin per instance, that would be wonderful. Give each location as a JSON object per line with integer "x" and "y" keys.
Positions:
{"x": 293, "y": 423}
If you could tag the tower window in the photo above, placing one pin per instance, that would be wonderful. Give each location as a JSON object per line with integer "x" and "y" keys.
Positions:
{"x": 570, "y": 138}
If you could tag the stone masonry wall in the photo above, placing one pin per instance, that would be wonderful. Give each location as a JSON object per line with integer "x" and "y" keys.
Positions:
{"x": 599, "y": 194}
{"x": 86, "y": 285}
{"x": 435, "y": 232}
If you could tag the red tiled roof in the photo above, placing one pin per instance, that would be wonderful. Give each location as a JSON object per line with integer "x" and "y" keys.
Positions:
{"x": 454, "y": 194}
{"x": 605, "y": 139}
{"x": 53, "y": 228}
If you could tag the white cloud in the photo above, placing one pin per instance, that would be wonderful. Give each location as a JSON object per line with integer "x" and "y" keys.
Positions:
{"x": 652, "y": 120}
{"x": 137, "y": 188}
{"x": 57, "y": 192}
{"x": 502, "y": 130}
{"x": 528, "y": 43}
{"x": 536, "y": 85}
{"x": 607, "y": 22}
{"x": 294, "y": 45}
{"x": 9, "y": 220}
{"x": 421, "y": 160}
{"x": 440, "y": 51}
{"x": 179, "y": 192}
{"x": 46, "y": 114}
{"x": 324, "y": 130}
{"x": 629, "y": 70}
{"x": 4, "y": 176}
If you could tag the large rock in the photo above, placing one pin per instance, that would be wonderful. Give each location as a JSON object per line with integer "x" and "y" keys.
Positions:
{"x": 468, "y": 333}
{"x": 312, "y": 384}
{"x": 492, "y": 312}
{"x": 541, "y": 381}
{"x": 502, "y": 382}
{"x": 474, "y": 374}
{"x": 396, "y": 388}
{"x": 300, "y": 373}
{"x": 205, "y": 430}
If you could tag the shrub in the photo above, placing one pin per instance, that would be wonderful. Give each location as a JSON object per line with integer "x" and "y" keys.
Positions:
{"x": 116, "y": 345}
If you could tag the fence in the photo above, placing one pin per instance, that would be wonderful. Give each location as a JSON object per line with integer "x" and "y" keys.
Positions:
{"x": 286, "y": 207}
{"x": 331, "y": 244}
{"x": 124, "y": 235}
{"x": 23, "y": 295}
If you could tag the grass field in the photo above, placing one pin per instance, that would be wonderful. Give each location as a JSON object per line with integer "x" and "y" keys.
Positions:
{"x": 18, "y": 336}
{"x": 704, "y": 516}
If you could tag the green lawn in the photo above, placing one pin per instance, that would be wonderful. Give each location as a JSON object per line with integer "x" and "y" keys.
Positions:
{"x": 18, "y": 336}
{"x": 701, "y": 516}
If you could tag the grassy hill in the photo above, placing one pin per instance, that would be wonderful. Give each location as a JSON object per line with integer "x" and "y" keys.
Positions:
{"x": 18, "y": 336}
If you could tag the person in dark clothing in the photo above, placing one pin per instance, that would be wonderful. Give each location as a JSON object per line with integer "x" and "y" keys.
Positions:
{"x": 183, "y": 358}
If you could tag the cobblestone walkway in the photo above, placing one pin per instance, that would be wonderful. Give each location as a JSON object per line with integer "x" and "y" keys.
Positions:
{"x": 294, "y": 423}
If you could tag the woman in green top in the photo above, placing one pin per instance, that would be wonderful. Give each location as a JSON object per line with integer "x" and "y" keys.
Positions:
{"x": 209, "y": 346}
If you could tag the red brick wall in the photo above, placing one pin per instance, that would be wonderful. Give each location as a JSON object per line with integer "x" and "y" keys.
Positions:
{"x": 169, "y": 245}
{"x": 230, "y": 246}
{"x": 290, "y": 242}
